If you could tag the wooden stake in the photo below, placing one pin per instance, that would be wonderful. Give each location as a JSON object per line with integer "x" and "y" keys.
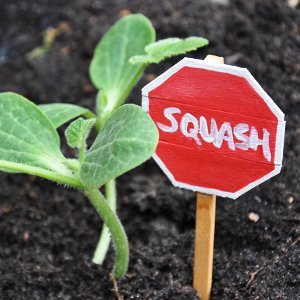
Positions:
{"x": 204, "y": 234}
{"x": 215, "y": 59}
{"x": 204, "y": 244}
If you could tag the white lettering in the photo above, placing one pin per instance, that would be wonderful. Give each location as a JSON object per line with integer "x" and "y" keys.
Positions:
{"x": 168, "y": 113}
{"x": 194, "y": 128}
{"x": 239, "y": 131}
{"x": 192, "y": 132}
{"x": 209, "y": 138}
{"x": 224, "y": 134}
{"x": 264, "y": 142}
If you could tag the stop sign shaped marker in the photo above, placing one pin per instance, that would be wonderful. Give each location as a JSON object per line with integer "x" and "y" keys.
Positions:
{"x": 220, "y": 133}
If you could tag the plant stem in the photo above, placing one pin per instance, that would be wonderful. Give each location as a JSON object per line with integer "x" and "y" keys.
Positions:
{"x": 104, "y": 240}
{"x": 36, "y": 171}
{"x": 82, "y": 150}
{"x": 110, "y": 191}
{"x": 101, "y": 106}
{"x": 116, "y": 229}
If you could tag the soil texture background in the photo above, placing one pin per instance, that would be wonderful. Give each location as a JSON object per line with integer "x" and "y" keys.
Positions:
{"x": 48, "y": 233}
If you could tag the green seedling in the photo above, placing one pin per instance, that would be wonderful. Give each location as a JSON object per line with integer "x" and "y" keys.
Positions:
{"x": 30, "y": 144}
{"x": 49, "y": 37}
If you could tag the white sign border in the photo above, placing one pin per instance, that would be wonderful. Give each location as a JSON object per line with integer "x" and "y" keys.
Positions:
{"x": 237, "y": 71}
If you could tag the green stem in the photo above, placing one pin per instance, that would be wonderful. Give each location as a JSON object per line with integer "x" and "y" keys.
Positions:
{"x": 116, "y": 229}
{"x": 101, "y": 105}
{"x": 110, "y": 190}
{"x": 81, "y": 154}
{"x": 104, "y": 240}
{"x": 36, "y": 171}
{"x": 89, "y": 115}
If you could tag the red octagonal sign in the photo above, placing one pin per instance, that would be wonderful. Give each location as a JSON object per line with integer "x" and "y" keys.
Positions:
{"x": 220, "y": 133}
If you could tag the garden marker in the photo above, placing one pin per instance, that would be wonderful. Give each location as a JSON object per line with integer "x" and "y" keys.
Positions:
{"x": 220, "y": 134}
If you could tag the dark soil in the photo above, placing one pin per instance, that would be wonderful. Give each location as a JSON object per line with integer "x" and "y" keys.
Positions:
{"x": 48, "y": 233}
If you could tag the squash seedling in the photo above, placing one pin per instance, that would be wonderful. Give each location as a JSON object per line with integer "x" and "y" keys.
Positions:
{"x": 29, "y": 142}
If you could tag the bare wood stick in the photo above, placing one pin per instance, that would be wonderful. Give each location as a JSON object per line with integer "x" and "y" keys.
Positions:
{"x": 204, "y": 244}
{"x": 204, "y": 234}
{"x": 214, "y": 58}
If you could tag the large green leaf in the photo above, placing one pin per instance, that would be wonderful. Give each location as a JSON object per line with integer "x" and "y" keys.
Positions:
{"x": 110, "y": 70}
{"x": 162, "y": 49}
{"x": 127, "y": 139}
{"x": 27, "y": 137}
{"x": 61, "y": 113}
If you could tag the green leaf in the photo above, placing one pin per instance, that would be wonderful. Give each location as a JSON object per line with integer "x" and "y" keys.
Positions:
{"x": 163, "y": 49}
{"x": 61, "y": 113}
{"x": 78, "y": 131}
{"x": 27, "y": 136}
{"x": 110, "y": 70}
{"x": 127, "y": 139}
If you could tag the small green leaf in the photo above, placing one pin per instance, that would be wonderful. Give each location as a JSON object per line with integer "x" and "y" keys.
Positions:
{"x": 61, "y": 113}
{"x": 127, "y": 139}
{"x": 78, "y": 131}
{"x": 162, "y": 49}
{"x": 110, "y": 70}
{"x": 27, "y": 136}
